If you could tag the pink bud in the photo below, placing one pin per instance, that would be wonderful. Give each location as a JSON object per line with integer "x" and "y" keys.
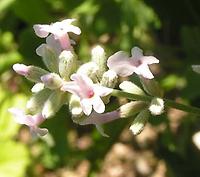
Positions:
{"x": 21, "y": 69}
{"x": 52, "y": 80}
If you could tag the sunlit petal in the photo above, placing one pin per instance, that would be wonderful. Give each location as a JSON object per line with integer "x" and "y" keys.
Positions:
{"x": 121, "y": 64}
{"x": 102, "y": 91}
{"x": 98, "y": 104}
{"x": 42, "y": 30}
{"x": 86, "y": 106}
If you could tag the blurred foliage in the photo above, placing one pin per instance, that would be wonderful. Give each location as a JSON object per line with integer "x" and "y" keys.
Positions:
{"x": 169, "y": 29}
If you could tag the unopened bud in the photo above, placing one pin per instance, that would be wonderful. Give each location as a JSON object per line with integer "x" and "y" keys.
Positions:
{"x": 99, "y": 57}
{"x": 196, "y": 68}
{"x": 157, "y": 106}
{"x": 52, "y": 105}
{"x": 196, "y": 139}
{"x": 67, "y": 64}
{"x": 21, "y": 69}
{"x": 52, "y": 80}
{"x": 36, "y": 102}
{"x": 139, "y": 122}
{"x": 151, "y": 87}
{"x": 131, "y": 108}
{"x": 109, "y": 79}
{"x": 75, "y": 106}
{"x": 130, "y": 87}
{"x": 89, "y": 69}
{"x": 37, "y": 87}
{"x": 32, "y": 73}
{"x": 48, "y": 56}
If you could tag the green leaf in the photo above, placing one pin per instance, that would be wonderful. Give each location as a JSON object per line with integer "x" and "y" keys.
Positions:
{"x": 4, "y": 5}
{"x": 32, "y": 11}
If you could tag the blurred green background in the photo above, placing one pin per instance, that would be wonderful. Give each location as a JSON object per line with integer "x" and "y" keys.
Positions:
{"x": 170, "y": 30}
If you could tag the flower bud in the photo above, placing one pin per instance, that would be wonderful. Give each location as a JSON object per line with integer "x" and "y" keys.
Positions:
{"x": 196, "y": 68}
{"x": 196, "y": 139}
{"x": 67, "y": 63}
{"x": 109, "y": 79}
{"x": 75, "y": 106}
{"x": 21, "y": 69}
{"x": 52, "y": 105}
{"x": 131, "y": 108}
{"x": 37, "y": 87}
{"x": 157, "y": 106}
{"x": 98, "y": 56}
{"x": 151, "y": 87}
{"x": 36, "y": 102}
{"x": 139, "y": 122}
{"x": 130, "y": 87}
{"x": 32, "y": 73}
{"x": 48, "y": 56}
{"x": 89, "y": 69}
{"x": 52, "y": 80}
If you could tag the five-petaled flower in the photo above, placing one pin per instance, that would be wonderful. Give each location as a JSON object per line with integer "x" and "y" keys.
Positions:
{"x": 124, "y": 65}
{"x": 88, "y": 92}
{"x": 32, "y": 121}
{"x": 59, "y": 30}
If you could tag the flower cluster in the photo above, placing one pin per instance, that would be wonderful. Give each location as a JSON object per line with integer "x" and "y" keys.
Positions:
{"x": 87, "y": 88}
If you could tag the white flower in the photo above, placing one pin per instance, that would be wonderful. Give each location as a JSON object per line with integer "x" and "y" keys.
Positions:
{"x": 59, "y": 30}
{"x": 124, "y": 65}
{"x": 88, "y": 92}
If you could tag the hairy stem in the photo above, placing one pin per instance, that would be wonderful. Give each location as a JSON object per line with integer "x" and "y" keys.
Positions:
{"x": 168, "y": 103}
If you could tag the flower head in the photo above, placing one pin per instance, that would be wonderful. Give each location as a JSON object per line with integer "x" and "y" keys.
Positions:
{"x": 59, "y": 30}
{"x": 88, "y": 92}
{"x": 124, "y": 65}
{"x": 32, "y": 121}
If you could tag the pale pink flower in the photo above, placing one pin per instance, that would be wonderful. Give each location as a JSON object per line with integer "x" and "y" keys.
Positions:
{"x": 32, "y": 121}
{"x": 59, "y": 30}
{"x": 124, "y": 65}
{"x": 89, "y": 93}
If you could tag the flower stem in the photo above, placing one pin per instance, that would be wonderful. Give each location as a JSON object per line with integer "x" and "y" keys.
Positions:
{"x": 147, "y": 98}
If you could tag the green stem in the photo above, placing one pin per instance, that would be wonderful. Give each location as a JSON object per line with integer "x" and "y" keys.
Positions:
{"x": 168, "y": 103}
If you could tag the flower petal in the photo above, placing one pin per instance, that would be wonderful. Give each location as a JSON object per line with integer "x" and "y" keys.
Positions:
{"x": 71, "y": 28}
{"x": 144, "y": 71}
{"x": 85, "y": 84}
{"x": 136, "y": 53}
{"x": 38, "y": 119}
{"x": 42, "y": 30}
{"x": 98, "y": 104}
{"x": 149, "y": 60}
{"x": 40, "y": 50}
{"x": 82, "y": 80}
{"x": 53, "y": 44}
{"x": 86, "y": 106}
{"x": 102, "y": 91}
{"x": 73, "y": 88}
{"x": 121, "y": 64}
{"x": 21, "y": 118}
